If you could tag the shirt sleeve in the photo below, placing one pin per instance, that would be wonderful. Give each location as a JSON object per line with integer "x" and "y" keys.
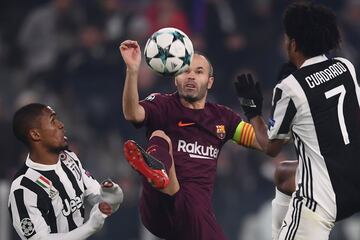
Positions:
{"x": 282, "y": 115}
{"x": 155, "y": 111}
{"x": 27, "y": 218}
{"x": 232, "y": 120}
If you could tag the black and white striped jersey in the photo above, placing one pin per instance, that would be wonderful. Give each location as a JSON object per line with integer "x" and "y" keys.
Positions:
{"x": 50, "y": 198}
{"x": 319, "y": 106}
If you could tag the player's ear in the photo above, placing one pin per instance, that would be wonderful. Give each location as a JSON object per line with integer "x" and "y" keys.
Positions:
{"x": 175, "y": 81}
{"x": 293, "y": 45}
{"x": 210, "y": 82}
{"x": 34, "y": 134}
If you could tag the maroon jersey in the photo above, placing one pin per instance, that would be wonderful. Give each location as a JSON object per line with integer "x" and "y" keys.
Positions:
{"x": 197, "y": 137}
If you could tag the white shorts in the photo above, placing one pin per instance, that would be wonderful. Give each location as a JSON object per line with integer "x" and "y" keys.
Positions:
{"x": 301, "y": 223}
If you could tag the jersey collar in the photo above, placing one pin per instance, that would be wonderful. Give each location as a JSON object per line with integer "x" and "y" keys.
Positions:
{"x": 39, "y": 166}
{"x": 314, "y": 60}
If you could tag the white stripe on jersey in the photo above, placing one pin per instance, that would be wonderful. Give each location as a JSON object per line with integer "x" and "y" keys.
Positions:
{"x": 320, "y": 191}
{"x": 53, "y": 196}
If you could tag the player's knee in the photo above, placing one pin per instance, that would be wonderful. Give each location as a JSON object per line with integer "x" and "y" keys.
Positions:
{"x": 161, "y": 134}
{"x": 284, "y": 176}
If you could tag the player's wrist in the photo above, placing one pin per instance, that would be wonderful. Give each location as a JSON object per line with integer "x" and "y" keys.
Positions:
{"x": 132, "y": 70}
{"x": 251, "y": 114}
{"x": 96, "y": 219}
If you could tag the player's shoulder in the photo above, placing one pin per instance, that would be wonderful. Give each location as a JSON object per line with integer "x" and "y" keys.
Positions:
{"x": 16, "y": 183}
{"x": 218, "y": 107}
{"x": 288, "y": 83}
{"x": 220, "y": 110}
{"x": 159, "y": 96}
{"x": 346, "y": 62}
{"x": 18, "y": 177}
{"x": 20, "y": 173}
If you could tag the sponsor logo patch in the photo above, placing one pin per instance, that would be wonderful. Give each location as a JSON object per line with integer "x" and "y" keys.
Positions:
{"x": 27, "y": 227}
{"x": 150, "y": 97}
{"x": 185, "y": 124}
{"x": 196, "y": 150}
{"x": 271, "y": 122}
{"x": 220, "y": 131}
{"x": 47, "y": 185}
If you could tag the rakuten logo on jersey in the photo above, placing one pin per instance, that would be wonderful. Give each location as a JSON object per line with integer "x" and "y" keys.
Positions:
{"x": 196, "y": 150}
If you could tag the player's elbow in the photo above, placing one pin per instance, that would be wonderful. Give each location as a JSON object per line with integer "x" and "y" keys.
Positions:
{"x": 273, "y": 147}
{"x": 129, "y": 116}
{"x": 133, "y": 116}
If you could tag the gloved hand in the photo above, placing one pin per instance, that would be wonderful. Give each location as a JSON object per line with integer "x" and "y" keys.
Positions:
{"x": 111, "y": 193}
{"x": 250, "y": 95}
{"x": 96, "y": 219}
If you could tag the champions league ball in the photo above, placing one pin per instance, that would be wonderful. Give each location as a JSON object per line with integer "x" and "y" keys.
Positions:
{"x": 169, "y": 51}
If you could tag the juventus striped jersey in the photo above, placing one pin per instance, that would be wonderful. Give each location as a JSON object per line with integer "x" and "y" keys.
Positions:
{"x": 50, "y": 198}
{"x": 319, "y": 106}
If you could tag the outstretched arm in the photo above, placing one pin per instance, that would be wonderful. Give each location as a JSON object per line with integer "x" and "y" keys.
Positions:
{"x": 95, "y": 223}
{"x": 29, "y": 222}
{"x": 132, "y": 110}
{"x": 270, "y": 147}
{"x": 251, "y": 98}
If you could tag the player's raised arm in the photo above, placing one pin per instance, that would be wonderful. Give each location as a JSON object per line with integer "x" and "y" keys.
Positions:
{"x": 251, "y": 99}
{"x": 131, "y": 53}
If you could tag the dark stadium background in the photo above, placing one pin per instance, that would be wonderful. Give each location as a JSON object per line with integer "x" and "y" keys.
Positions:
{"x": 64, "y": 53}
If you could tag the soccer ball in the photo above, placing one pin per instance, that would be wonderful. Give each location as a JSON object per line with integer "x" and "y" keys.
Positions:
{"x": 169, "y": 51}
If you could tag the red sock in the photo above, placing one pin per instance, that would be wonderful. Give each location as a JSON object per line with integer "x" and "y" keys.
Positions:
{"x": 159, "y": 149}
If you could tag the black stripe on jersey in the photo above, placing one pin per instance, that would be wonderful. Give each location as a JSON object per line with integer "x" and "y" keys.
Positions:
{"x": 11, "y": 216}
{"x": 54, "y": 178}
{"x": 312, "y": 204}
{"x": 43, "y": 203}
{"x": 307, "y": 178}
{"x": 288, "y": 117}
{"x": 78, "y": 164}
{"x": 295, "y": 219}
{"x": 74, "y": 184}
{"x": 23, "y": 213}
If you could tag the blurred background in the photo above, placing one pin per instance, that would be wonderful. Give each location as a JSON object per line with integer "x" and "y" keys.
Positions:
{"x": 64, "y": 53}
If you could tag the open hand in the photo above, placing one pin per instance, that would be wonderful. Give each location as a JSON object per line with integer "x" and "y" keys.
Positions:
{"x": 131, "y": 53}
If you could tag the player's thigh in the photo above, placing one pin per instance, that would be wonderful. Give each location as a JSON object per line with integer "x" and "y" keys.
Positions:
{"x": 195, "y": 221}
{"x": 301, "y": 223}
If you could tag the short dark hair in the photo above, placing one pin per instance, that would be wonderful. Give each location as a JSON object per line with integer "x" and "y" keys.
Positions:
{"x": 313, "y": 26}
{"x": 25, "y": 119}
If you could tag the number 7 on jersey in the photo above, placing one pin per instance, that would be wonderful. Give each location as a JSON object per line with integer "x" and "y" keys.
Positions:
{"x": 342, "y": 91}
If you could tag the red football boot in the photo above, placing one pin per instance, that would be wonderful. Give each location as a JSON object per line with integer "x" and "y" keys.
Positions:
{"x": 148, "y": 166}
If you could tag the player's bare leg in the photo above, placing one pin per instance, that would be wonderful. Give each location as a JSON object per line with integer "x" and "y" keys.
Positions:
{"x": 284, "y": 178}
{"x": 156, "y": 164}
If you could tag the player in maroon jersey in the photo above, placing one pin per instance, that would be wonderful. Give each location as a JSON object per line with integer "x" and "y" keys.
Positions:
{"x": 185, "y": 134}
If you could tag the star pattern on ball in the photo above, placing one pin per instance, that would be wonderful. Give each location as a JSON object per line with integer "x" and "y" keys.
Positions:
{"x": 168, "y": 51}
